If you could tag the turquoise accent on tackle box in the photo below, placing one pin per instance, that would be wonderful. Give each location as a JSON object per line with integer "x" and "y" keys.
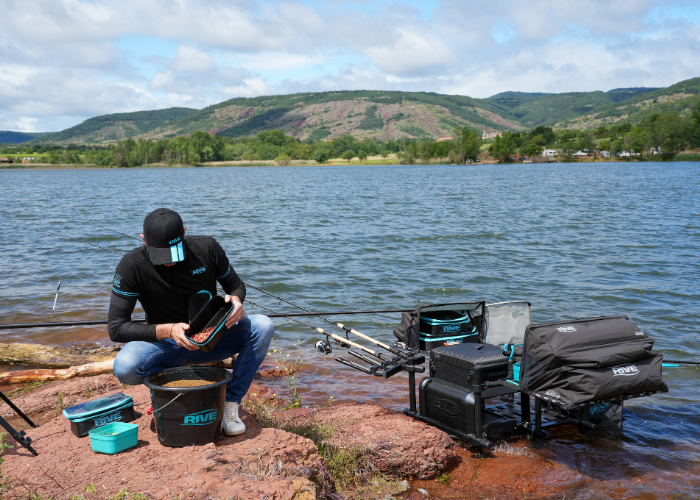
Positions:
{"x": 113, "y": 438}
{"x": 516, "y": 372}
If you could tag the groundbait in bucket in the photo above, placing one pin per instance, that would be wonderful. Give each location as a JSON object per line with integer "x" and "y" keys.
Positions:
{"x": 187, "y": 416}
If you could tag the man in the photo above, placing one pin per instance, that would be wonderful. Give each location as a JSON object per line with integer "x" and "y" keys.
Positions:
{"x": 165, "y": 276}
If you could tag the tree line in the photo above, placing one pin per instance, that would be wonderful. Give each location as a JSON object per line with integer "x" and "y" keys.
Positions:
{"x": 201, "y": 147}
{"x": 660, "y": 135}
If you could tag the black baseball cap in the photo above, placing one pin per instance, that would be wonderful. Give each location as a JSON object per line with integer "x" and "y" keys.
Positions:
{"x": 165, "y": 236}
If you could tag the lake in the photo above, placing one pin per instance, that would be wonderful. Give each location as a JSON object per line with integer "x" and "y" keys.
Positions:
{"x": 575, "y": 240}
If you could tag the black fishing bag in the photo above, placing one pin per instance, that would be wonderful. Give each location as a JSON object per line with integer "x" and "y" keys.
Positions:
{"x": 573, "y": 363}
{"x": 442, "y": 324}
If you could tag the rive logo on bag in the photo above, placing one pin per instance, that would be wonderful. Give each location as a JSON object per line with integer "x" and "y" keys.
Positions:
{"x": 625, "y": 370}
{"x": 114, "y": 417}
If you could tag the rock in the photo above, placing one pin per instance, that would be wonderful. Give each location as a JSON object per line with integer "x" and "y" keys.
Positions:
{"x": 273, "y": 370}
{"x": 393, "y": 442}
{"x": 262, "y": 463}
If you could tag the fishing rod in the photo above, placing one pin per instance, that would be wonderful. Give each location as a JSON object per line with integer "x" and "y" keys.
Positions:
{"x": 86, "y": 242}
{"x": 113, "y": 230}
{"x": 17, "y": 326}
{"x": 335, "y": 337}
{"x": 391, "y": 349}
{"x": 56, "y": 299}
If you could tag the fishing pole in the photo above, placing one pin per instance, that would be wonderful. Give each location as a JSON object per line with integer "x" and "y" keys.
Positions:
{"x": 56, "y": 299}
{"x": 86, "y": 242}
{"x": 335, "y": 337}
{"x": 113, "y": 230}
{"x": 16, "y": 326}
{"x": 392, "y": 350}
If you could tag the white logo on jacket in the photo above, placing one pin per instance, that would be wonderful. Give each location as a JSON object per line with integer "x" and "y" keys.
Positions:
{"x": 566, "y": 329}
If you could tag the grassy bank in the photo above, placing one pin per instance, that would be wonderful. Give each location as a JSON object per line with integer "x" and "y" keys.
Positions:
{"x": 336, "y": 162}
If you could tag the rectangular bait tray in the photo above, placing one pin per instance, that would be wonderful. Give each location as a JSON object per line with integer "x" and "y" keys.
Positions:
{"x": 113, "y": 438}
{"x": 213, "y": 314}
{"x": 93, "y": 413}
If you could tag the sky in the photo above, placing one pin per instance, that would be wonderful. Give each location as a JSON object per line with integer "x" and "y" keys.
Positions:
{"x": 64, "y": 61}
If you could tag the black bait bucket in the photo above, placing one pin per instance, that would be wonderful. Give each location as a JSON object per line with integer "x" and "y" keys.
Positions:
{"x": 187, "y": 416}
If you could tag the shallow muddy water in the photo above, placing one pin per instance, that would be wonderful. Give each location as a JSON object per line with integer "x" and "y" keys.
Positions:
{"x": 574, "y": 240}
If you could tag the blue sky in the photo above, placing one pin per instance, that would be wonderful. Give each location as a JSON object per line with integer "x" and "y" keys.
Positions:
{"x": 63, "y": 61}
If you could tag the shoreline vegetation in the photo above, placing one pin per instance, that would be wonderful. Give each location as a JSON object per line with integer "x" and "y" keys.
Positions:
{"x": 339, "y": 162}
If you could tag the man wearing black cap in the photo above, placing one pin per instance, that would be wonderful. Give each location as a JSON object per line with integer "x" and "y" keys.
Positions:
{"x": 166, "y": 275}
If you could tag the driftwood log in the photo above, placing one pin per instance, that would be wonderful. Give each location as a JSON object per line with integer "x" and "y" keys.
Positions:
{"x": 42, "y": 356}
{"x": 58, "y": 363}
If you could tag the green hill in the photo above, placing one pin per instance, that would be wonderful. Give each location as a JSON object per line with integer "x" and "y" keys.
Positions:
{"x": 385, "y": 115}
{"x": 376, "y": 114}
{"x": 533, "y": 109}
{"x": 680, "y": 98}
{"x": 8, "y": 137}
{"x": 111, "y": 128}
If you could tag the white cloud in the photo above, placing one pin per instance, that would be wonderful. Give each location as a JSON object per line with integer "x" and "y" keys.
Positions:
{"x": 191, "y": 59}
{"x": 60, "y": 60}
{"x": 410, "y": 53}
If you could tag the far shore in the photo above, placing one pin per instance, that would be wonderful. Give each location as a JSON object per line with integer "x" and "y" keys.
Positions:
{"x": 335, "y": 162}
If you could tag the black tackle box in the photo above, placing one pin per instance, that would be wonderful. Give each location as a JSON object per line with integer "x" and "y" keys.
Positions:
{"x": 468, "y": 364}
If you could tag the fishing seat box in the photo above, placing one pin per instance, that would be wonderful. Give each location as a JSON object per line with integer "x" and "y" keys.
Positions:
{"x": 591, "y": 360}
{"x": 449, "y": 396}
{"x": 101, "y": 411}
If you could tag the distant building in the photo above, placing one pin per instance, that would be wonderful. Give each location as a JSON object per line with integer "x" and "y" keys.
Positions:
{"x": 490, "y": 135}
{"x": 6, "y": 160}
{"x": 443, "y": 139}
{"x": 549, "y": 152}
{"x": 605, "y": 154}
{"x": 579, "y": 154}
{"x": 655, "y": 151}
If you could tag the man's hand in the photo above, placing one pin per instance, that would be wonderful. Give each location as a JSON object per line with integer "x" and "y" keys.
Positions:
{"x": 178, "y": 335}
{"x": 237, "y": 313}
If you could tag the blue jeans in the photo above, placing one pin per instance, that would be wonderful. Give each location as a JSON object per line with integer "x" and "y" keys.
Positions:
{"x": 249, "y": 338}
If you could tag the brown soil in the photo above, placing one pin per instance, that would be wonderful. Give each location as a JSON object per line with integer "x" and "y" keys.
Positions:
{"x": 260, "y": 463}
{"x": 187, "y": 383}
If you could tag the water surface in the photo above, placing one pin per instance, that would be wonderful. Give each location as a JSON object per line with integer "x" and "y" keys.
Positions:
{"x": 575, "y": 240}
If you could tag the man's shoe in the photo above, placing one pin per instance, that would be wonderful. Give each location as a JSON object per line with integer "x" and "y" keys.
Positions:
{"x": 233, "y": 426}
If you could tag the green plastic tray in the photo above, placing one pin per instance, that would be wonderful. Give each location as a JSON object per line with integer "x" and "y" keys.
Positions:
{"x": 113, "y": 438}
